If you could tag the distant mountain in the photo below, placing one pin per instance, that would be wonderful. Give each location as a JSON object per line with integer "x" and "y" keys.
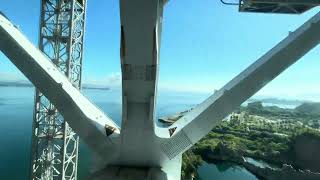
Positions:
{"x": 309, "y": 108}
{"x": 28, "y": 84}
{"x": 15, "y": 84}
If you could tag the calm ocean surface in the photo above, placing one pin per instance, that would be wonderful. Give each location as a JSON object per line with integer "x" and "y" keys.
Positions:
{"x": 16, "y": 110}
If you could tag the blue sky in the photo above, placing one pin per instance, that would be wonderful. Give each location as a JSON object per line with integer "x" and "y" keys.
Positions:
{"x": 204, "y": 45}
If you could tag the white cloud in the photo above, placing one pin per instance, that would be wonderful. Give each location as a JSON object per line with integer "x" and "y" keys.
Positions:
{"x": 111, "y": 80}
{"x": 114, "y": 78}
{"x": 191, "y": 87}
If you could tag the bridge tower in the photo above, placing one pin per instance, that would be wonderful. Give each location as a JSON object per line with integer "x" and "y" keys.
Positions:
{"x": 54, "y": 143}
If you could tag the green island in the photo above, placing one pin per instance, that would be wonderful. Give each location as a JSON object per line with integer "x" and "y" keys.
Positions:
{"x": 285, "y": 139}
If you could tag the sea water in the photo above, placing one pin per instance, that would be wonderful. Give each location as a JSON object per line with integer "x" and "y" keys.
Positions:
{"x": 16, "y": 113}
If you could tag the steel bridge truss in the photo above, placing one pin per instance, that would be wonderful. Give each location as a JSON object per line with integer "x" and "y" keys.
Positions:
{"x": 142, "y": 150}
{"x": 54, "y": 144}
{"x": 277, "y": 6}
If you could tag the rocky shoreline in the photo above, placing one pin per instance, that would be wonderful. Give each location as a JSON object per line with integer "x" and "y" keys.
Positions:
{"x": 286, "y": 172}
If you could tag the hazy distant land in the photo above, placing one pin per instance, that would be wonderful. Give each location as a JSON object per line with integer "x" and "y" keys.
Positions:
{"x": 266, "y": 100}
{"x": 16, "y": 84}
{"x": 28, "y": 84}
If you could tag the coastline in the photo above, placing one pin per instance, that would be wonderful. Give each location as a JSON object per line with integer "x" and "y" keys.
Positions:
{"x": 276, "y": 136}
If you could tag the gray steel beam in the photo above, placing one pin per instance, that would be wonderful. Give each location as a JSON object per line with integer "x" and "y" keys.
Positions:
{"x": 140, "y": 44}
{"x": 194, "y": 125}
{"x": 87, "y": 120}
